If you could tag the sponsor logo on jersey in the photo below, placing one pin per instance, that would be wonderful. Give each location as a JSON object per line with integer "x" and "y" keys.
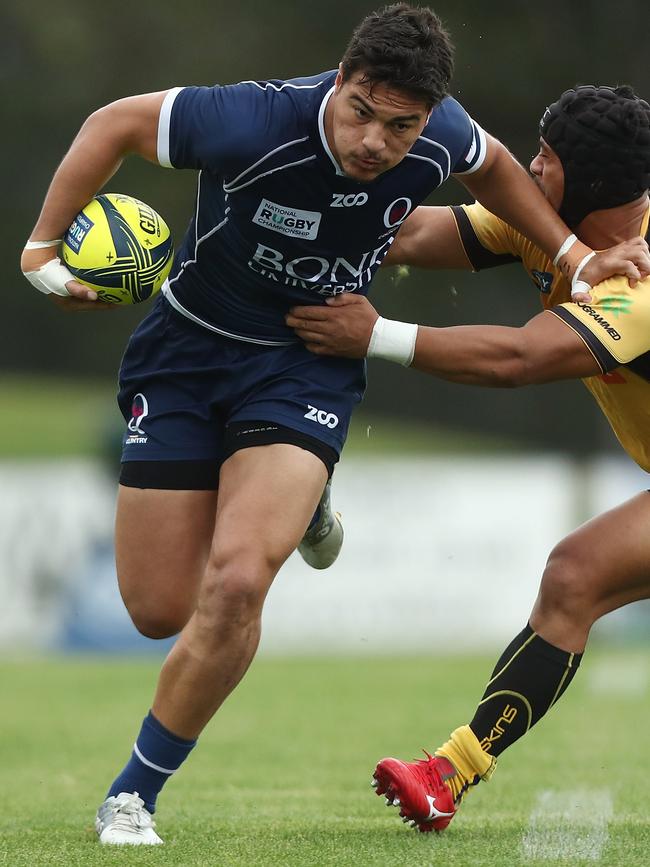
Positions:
{"x": 616, "y": 305}
{"x": 307, "y": 272}
{"x": 139, "y": 411}
{"x": 600, "y": 320}
{"x": 543, "y": 280}
{"x": 77, "y": 232}
{"x": 288, "y": 221}
{"x": 352, "y": 200}
{"x": 328, "y": 419}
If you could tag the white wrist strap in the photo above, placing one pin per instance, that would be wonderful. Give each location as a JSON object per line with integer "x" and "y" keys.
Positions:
{"x": 393, "y": 341}
{"x": 564, "y": 249}
{"x": 579, "y": 286}
{"x": 50, "y": 278}
{"x": 42, "y": 245}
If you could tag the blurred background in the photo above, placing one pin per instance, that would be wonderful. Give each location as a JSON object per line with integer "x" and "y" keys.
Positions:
{"x": 452, "y": 496}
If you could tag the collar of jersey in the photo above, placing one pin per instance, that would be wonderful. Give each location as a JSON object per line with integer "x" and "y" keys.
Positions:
{"x": 323, "y": 137}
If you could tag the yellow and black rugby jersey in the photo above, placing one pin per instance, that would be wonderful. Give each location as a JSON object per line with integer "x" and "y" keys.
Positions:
{"x": 615, "y": 325}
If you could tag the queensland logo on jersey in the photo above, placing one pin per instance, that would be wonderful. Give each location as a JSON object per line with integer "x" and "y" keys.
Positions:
{"x": 397, "y": 212}
{"x": 139, "y": 411}
{"x": 287, "y": 220}
{"x": 543, "y": 280}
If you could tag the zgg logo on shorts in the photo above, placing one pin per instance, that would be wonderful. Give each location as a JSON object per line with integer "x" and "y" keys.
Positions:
{"x": 340, "y": 200}
{"x": 319, "y": 415}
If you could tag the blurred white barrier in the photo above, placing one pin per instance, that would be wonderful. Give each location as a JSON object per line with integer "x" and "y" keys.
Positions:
{"x": 439, "y": 553}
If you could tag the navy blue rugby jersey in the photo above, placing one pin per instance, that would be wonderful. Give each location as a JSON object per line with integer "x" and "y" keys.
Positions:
{"x": 277, "y": 222}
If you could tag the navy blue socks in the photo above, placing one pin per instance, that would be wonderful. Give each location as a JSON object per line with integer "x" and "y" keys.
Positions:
{"x": 157, "y": 753}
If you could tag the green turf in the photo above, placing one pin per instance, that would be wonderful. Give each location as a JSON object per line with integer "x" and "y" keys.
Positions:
{"x": 281, "y": 775}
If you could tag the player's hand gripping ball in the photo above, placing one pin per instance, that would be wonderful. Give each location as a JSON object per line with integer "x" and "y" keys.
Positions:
{"x": 120, "y": 247}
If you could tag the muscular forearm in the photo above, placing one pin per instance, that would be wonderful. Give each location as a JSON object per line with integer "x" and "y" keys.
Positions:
{"x": 487, "y": 355}
{"x": 543, "y": 350}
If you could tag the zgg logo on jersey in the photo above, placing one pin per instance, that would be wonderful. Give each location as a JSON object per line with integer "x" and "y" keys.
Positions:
{"x": 328, "y": 419}
{"x": 340, "y": 200}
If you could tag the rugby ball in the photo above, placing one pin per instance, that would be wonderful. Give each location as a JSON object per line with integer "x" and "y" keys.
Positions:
{"x": 120, "y": 247}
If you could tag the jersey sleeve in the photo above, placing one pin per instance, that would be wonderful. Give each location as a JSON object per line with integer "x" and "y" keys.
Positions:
{"x": 487, "y": 240}
{"x": 471, "y": 139}
{"x": 211, "y": 127}
{"x": 615, "y": 324}
{"x": 452, "y": 132}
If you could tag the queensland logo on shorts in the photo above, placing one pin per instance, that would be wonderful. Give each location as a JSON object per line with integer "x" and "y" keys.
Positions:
{"x": 139, "y": 411}
{"x": 287, "y": 220}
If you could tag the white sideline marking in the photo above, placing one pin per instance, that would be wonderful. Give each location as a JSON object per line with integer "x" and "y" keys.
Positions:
{"x": 568, "y": 825}
{"x": 619, "y": 677}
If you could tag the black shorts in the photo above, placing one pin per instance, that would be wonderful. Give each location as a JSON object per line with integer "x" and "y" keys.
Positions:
{"x": 203, "y": 475}
{"x": 190, "y": 398}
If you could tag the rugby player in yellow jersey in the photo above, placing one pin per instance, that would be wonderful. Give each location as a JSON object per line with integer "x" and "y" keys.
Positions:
{"x": 593, "y": 166}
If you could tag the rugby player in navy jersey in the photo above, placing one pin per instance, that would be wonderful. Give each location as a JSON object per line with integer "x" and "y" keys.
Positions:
{"x": 593, "y": 166}
{"x": 302, "y": 188}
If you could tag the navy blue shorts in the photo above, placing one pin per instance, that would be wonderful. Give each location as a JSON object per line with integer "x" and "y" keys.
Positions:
{"x": 181, "y": 385}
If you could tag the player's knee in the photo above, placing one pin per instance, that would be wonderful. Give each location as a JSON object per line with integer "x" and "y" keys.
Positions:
{"x": 155, "y": 621}
{"x": 564, "y": 589}
{"x": 235, "y": 587}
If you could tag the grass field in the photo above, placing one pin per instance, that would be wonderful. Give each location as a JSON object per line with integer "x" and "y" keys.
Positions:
{"x": 281, "y": 776}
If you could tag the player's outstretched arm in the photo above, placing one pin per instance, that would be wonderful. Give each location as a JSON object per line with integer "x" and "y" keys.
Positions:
{"x": 429, "y": 238}
{"x": 128, "y": 126}
{"x": 504, "y": 187}
{"x": 543, "y": 350}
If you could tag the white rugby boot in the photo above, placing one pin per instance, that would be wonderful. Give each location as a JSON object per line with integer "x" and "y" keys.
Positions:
{"x": 321, "y": 544}
{"x": 123, "y": 820}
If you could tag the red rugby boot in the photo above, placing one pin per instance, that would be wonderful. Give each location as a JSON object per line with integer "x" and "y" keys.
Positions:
{"x": 419, "y": 789}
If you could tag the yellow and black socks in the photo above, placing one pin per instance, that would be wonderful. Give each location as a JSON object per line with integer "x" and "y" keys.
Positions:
{"x": 472, "y": 764}
{"x": 528, "y": 679}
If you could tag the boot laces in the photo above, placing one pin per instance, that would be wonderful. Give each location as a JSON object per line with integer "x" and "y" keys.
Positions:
{"x": 129, "y": 812}
{"x": 428, "y": 773}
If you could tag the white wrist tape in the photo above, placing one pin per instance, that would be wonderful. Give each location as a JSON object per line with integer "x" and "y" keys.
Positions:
{"x": 393, "y": 341}
{"x": 42, "y": 245}
{"x": 564, "y": 249}
{"x": 50, "y": 278}
{"x": 579, "y": 286}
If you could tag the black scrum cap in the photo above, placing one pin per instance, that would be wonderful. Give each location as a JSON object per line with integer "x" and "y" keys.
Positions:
{"x": 602, "y": 138}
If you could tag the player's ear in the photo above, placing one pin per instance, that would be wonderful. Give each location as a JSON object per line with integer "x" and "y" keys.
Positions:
{"x": 339, "y": 78}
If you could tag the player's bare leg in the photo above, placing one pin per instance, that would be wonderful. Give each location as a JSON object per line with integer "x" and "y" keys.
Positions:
{"x": 600, "y": 567}
{"x": 162, "y": 545}
{"x": 266, "y": 497}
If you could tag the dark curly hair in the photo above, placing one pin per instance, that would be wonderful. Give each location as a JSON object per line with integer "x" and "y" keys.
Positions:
{"x": 602, "y": 138}
{"x": 405, "y": 47}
